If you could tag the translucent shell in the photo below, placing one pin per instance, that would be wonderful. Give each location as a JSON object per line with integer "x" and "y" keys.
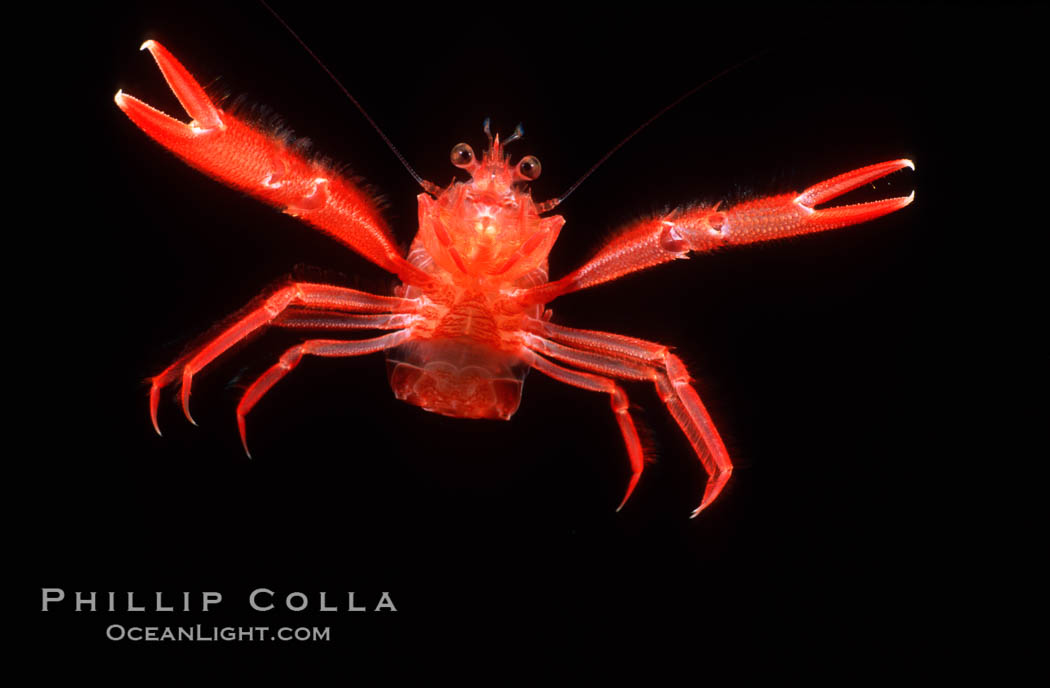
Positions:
{"x": 479, "y": 235}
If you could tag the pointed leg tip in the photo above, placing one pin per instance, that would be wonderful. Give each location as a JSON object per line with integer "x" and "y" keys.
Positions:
{"x": 630, "y": 490}
{"x": 711, "y": 493}
{"x": 186, "y": 400}
{"x": 244, "y": 434}
{"x": 244, "y": 443}
{"x": 908, "y": 163}
{"x": 697, "y": 510}
{"x": 704, "y": 503}
{"x": 148, "y": 45}
{"x": 154, "y": 403}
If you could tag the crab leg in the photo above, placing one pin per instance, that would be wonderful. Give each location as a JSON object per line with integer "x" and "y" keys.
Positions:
{"x": 673, "y": 384}
{"x": 267, "y": 167}
{"x": 321, "y": 296}
{"x": 306, "y": 318}
{"x": 291, "y": 358}
{"x": 620, "y": 406}
{"x": 658, "y": 240}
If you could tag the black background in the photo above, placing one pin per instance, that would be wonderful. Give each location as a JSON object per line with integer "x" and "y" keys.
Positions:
{"x": 813, "y": 355}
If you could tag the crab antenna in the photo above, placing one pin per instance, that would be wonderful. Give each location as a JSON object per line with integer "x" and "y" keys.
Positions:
{"x": 419, "y": 180}
{"x": 549, "y": 205}
{"x": 487, "y": 129}
{"x": 519, "y": 131}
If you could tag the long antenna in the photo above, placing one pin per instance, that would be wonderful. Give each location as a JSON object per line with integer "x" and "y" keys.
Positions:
{"x": 551, "y": 204}
{"x": 419, "y": 180}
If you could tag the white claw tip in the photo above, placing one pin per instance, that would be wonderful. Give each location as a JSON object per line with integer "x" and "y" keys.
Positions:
{"x": 147, "y": 45}
{"x": 908, "y": 163}
{"x": 119, "y": 98}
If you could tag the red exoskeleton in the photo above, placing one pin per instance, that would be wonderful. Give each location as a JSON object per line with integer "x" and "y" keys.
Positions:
{"x": 471, "y": 317}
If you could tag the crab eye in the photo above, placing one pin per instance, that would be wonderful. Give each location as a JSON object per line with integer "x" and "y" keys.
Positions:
{"x": 462, "y": 155}
{"x": 529, "y": 167}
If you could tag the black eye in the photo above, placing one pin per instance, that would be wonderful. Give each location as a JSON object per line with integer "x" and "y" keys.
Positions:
{"x": 529, "y": 167}
{"x": 462, "y": 155}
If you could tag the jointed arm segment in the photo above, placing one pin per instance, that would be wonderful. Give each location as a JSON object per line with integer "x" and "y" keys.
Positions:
{"x": 266, "y": 167}
{"x": 653, "y": 241}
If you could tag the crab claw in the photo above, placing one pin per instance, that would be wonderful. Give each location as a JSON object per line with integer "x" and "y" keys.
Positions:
{"x": 169, "y": 131}
{"x": 786, "y": 215}
{"x": 829, "y": 218}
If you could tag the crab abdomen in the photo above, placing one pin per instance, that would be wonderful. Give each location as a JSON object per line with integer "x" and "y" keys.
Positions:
{"x": 457, "y": 377}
